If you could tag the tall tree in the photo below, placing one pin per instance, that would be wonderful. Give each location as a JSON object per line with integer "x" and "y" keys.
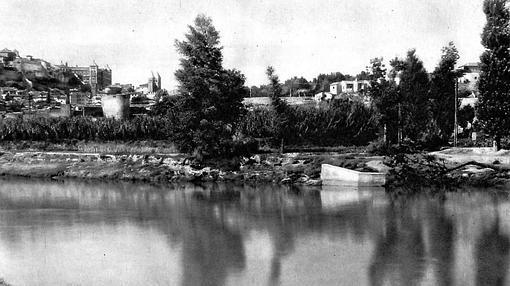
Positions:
{"x": 211, "y": 96}
{"x": 281, "y": 108}
{"x": 493, "y": 109}
{"x": 442, "y": 94}
{"x": 385, "y": 99}
{"x": 414, "y": 88}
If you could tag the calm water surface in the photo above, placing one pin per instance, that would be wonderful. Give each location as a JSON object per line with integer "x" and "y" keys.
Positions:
{"x": 79, "y": 233}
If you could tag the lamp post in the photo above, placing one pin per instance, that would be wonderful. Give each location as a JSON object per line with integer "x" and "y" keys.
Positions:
{"x": 458, "y": 73}
{"x": 455, "y": 125}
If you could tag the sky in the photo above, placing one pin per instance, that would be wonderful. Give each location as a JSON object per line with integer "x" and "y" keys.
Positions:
{"x": 296, "y": 37}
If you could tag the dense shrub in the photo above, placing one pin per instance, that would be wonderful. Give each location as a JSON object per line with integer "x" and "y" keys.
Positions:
{"x": 85, "y": 128}
{"x": 342, "y": 123}
{"x": 380, "y": 148}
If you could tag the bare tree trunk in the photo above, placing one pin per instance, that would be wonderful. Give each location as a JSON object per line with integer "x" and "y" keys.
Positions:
{"x": 281, "y": 146}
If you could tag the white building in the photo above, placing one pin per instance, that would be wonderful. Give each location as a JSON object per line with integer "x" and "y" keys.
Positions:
{"x": 349, "y": 86}
{"x": 323, "y": 96}
{"x": 470, "y": 78}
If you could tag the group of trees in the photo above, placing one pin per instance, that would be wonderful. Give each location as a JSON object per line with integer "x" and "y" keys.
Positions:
{"x": 421, "y": 106}
{"x": 208, "y": 119}
{"x": 410, "y": 103}
{"x": 493, "y": 110}
{"x": 299, "y": 86}
{"x": 407, "y": 101}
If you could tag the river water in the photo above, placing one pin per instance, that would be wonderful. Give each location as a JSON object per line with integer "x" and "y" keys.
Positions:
{"x": 83, "y": 233}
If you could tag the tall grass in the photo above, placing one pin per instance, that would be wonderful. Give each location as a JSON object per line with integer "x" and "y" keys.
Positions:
{"x": 85, "y": 128}
{"x": 343, "y": 123}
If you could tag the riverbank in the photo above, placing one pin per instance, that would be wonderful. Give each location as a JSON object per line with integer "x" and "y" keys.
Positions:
{"x": 299, "y": 168}
{"x": 289, "y": 168}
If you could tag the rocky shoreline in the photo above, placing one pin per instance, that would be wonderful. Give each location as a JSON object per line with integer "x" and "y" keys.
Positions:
{"x": 286, "y": 169}
{"x": 289, "y": 168}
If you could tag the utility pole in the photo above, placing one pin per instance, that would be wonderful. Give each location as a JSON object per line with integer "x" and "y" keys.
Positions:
{"x": 455, "y": 126}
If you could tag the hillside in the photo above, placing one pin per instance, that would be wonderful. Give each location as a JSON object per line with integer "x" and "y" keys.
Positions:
{"x": 37, "y": 74}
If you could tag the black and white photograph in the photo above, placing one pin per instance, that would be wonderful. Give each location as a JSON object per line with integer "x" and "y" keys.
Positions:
{"x": 255, "y": 142}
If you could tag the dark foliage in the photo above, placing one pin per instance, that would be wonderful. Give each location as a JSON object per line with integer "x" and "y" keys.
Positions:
{"x": 165, "y": 106}
{"x": 411, "y": 174}
{"x": 414, "y": 92}
{"x": 494, "y": 84}
{"x": 466, "y": 115}
{"x": 341, "y": 123}
{"x": 385, "y": 100}
{"x": 210, "y": 97}
{"x": 442, "y": 95}
{"x": 283, "y": 115}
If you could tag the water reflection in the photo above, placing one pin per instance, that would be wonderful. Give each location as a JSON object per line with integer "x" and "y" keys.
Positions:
{"x": 58, "y": 233}
{"x": 400, "y": 250}
{"x": 492, "y": 256}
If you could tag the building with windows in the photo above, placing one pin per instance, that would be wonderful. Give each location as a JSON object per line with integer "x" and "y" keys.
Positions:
{"x": 469, "y": 80}
{"x": 98, "y": 78}
{"x": 79, "y": 98}
{"x": 349, "y": 86}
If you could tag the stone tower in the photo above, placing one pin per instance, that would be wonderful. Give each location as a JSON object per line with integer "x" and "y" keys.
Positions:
{"x": 154, "y": 83}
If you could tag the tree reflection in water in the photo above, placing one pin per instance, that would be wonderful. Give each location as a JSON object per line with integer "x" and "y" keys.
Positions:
{"x": 441, "y": 241}
{"x": 208, "y": 228}
{"x": 399, "y": 252}
{"x": 492, "y": 255}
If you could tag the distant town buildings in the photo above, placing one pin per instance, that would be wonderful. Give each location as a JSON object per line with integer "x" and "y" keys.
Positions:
{"x": 154, "y": 83}
{"x": 7, "y": 56}
{"x": 35, "y": 86}
{"x": 79, "y": 98}
{"x": 28, "y": 65}
{"x": 152, "y": 86}
{"x": 98, "y": 78}
{"x": 127, "y": 86}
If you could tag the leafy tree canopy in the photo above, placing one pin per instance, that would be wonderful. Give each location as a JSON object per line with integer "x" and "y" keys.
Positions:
{"x": 493, "y": 110}
{"x": 442, "y": 94}
{"x": 413, "y": 88}
{"x": 211, "y": 96}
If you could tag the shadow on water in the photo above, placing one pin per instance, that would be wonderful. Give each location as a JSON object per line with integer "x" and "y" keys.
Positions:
{"x": 492, "y": 255}
{"x": 399, "y": 250}
{"x": 220, "y": 234}
{"x": 415, "y": 234}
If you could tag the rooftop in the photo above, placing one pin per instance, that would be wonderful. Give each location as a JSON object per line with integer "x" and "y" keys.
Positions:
{"x": 471, "y": 65}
